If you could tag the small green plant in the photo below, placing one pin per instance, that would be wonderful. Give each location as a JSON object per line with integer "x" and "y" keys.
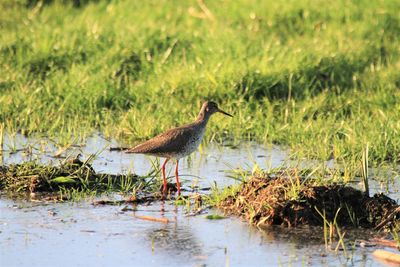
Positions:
{"x": 183, "y": 201}
{"x": 365, "y": 170}
{"x": 330, "y": 229}
{"x": 294, "y": 189}
{"x": 396, "y": 234}
{"x": 214, "y": 217}
{"x": 217, "y": 195}
{"x": 1, "y": 137}
{"x": 352, "y": 215}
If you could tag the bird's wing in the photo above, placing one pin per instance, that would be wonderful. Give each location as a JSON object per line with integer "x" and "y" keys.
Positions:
{"x": 171, "y": 141}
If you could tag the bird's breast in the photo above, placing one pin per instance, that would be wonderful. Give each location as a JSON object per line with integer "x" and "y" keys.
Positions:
{"x": 193, "y": 143}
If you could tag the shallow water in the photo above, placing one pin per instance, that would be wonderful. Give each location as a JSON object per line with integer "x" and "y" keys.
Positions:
{"x": 66, "y": 234}
{"x": 213, "y": 165}
{"x": 83, "y": 235}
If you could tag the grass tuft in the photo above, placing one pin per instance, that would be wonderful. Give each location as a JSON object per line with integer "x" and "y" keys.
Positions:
{"x": 71, "y": 178}
{"x": 293, "y": 198}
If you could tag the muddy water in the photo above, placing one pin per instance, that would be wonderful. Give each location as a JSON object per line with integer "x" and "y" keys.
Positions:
{"x": 79, "y": 234}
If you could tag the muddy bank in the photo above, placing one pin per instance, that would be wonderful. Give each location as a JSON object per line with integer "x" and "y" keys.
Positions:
{"x": 287, "y": 199}
{"x": 32, "y": 177}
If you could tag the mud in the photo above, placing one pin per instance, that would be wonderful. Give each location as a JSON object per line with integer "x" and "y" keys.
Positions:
{"x": 277, "y": 199}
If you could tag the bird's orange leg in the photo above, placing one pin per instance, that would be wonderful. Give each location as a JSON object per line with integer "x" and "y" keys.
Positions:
{"x": 163, "y": 176}
{"x": 178, "y": 185}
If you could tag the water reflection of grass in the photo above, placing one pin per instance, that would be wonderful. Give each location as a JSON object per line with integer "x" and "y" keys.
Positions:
{"x": 321, "y": 78}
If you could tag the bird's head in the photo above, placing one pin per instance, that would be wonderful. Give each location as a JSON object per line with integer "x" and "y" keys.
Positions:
{"x": 210, "y": 108}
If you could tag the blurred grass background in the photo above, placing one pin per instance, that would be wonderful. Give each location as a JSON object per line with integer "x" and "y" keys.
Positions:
{"x": 321, "y": 77}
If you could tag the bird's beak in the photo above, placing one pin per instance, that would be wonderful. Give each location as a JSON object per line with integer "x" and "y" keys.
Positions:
{"x": 225, "y": 113}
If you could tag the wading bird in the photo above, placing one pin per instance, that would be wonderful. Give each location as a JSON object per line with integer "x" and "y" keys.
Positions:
{"x": 178, "y": 142}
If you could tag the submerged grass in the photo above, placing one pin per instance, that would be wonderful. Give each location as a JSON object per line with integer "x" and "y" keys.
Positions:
{"x": 320, "y": 77}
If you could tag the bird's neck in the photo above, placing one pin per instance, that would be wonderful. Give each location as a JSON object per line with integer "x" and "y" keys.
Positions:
{"x": 203, "y": 117}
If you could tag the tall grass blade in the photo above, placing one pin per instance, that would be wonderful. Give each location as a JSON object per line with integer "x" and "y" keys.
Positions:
{"x": 365, "y": 170}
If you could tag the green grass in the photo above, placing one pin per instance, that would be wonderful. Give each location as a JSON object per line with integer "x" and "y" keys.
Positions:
{"x": 292, "y": 197}
{"x": 319, "y": 77}
{"x": 70, "y": 180}
{"x": 396, "y": 234}
{"x": 214, "y": 217}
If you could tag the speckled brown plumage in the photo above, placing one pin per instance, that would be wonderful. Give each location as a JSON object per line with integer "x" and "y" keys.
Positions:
{"x": 178, "y": 142}
{"x": 174, "y": 143}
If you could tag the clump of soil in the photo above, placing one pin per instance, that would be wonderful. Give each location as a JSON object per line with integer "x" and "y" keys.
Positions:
{"x": 286, "y": 200}
{"x": 32, "y": 177}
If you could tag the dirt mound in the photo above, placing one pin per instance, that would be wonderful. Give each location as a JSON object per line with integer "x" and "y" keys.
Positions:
{"x": 280, "y": 200}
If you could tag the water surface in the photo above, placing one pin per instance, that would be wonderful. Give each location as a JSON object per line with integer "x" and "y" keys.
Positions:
{"x": 80, "y": 234}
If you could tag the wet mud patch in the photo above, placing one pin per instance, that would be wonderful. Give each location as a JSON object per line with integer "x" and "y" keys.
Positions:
{"x": 284, "y": 199}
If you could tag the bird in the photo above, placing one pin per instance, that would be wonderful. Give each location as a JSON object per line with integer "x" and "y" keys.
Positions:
{"x": 179, "y": 142}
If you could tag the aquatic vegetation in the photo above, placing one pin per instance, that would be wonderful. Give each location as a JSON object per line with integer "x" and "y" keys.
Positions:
{"x": 72, "y": 179}
{"x": 396, "y": 234}
{"x": 214, "y": 217}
